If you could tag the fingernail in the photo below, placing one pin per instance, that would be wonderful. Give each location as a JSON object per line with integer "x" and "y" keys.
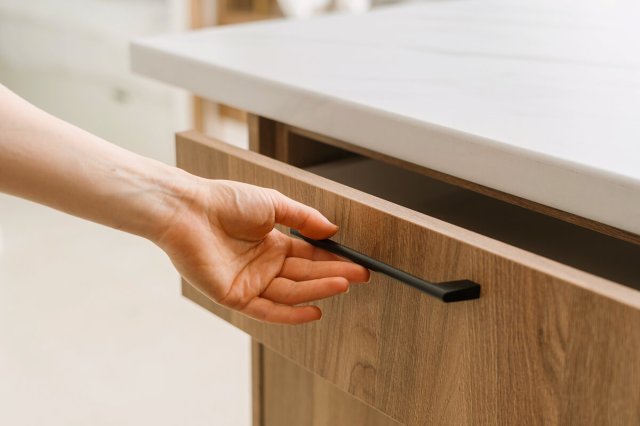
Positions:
{"x": 328, "y": 221}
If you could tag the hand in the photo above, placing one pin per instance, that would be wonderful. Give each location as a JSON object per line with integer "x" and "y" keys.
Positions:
{"x": 222, "y": 240}
{"x": 218, "y": 234}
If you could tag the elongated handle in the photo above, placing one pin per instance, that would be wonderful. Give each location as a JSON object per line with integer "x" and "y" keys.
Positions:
{"x": 449, "y": 291}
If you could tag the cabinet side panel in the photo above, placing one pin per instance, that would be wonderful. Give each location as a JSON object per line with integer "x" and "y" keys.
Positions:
{"x": 295, "y": 396}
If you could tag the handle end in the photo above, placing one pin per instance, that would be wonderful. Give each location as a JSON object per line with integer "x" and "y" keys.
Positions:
{"x": 456, "y": 291}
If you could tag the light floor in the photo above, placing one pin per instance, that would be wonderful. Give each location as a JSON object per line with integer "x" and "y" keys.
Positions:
{"x": 93, "y": 331}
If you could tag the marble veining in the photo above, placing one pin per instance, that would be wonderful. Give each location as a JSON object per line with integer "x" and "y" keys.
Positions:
{"x": 537, "y": 98}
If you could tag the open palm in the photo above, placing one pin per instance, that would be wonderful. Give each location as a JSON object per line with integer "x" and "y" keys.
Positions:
{"x": 225, "y": 244}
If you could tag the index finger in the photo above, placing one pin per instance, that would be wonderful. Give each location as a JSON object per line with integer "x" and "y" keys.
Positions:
{"x": 309, "y": 221}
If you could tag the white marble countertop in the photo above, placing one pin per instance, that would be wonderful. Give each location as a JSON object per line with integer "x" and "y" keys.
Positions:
{"x": 536, "y": 98}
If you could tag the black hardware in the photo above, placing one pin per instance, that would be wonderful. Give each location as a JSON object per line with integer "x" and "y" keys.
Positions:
{"x": 449, "y": 291}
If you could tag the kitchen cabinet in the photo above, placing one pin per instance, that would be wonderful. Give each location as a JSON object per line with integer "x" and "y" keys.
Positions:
{"x": 480, "y": 164}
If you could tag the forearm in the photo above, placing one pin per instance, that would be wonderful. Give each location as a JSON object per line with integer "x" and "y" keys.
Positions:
{"x": 51, "y": 162}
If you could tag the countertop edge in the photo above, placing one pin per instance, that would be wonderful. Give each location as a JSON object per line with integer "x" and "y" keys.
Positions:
{"x": 594, "y": 194}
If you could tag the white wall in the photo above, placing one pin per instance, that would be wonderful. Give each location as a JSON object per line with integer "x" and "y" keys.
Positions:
{"x": 70, "y": 57}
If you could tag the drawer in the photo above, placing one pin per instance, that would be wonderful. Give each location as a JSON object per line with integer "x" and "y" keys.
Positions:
{"x": 545, "y": 343}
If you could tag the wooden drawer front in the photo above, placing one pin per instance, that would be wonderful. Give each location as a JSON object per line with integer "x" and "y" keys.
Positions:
{"x": 545, "y": 343}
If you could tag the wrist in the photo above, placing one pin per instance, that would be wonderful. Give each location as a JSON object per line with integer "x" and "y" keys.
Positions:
{"x": 171, "y": 198}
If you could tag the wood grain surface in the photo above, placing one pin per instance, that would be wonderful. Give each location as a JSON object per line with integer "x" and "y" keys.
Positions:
{"x": 545, "y": 343}
{"x": 295, "y": 396}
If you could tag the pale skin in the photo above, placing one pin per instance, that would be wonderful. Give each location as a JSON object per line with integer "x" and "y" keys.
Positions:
{"x": 219, "y": 234}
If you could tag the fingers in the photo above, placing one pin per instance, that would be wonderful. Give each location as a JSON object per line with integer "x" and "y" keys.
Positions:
{"x": 268, "y": 311}
{"x": 274, "y": 304}
{"x": 298, "y": 269}
{"x": 302, "y": 249}
{"x": 305, "y": 219}
{"x": 286, "y": 291}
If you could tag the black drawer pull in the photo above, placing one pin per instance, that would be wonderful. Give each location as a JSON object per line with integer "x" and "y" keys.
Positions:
{"x": 449, "y": 291}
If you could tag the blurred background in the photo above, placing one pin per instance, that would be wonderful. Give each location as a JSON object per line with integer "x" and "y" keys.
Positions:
{"x": 93, "y": 329}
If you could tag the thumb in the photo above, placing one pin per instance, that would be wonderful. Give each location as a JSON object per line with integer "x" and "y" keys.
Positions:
{"x": 309, "y": 221}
